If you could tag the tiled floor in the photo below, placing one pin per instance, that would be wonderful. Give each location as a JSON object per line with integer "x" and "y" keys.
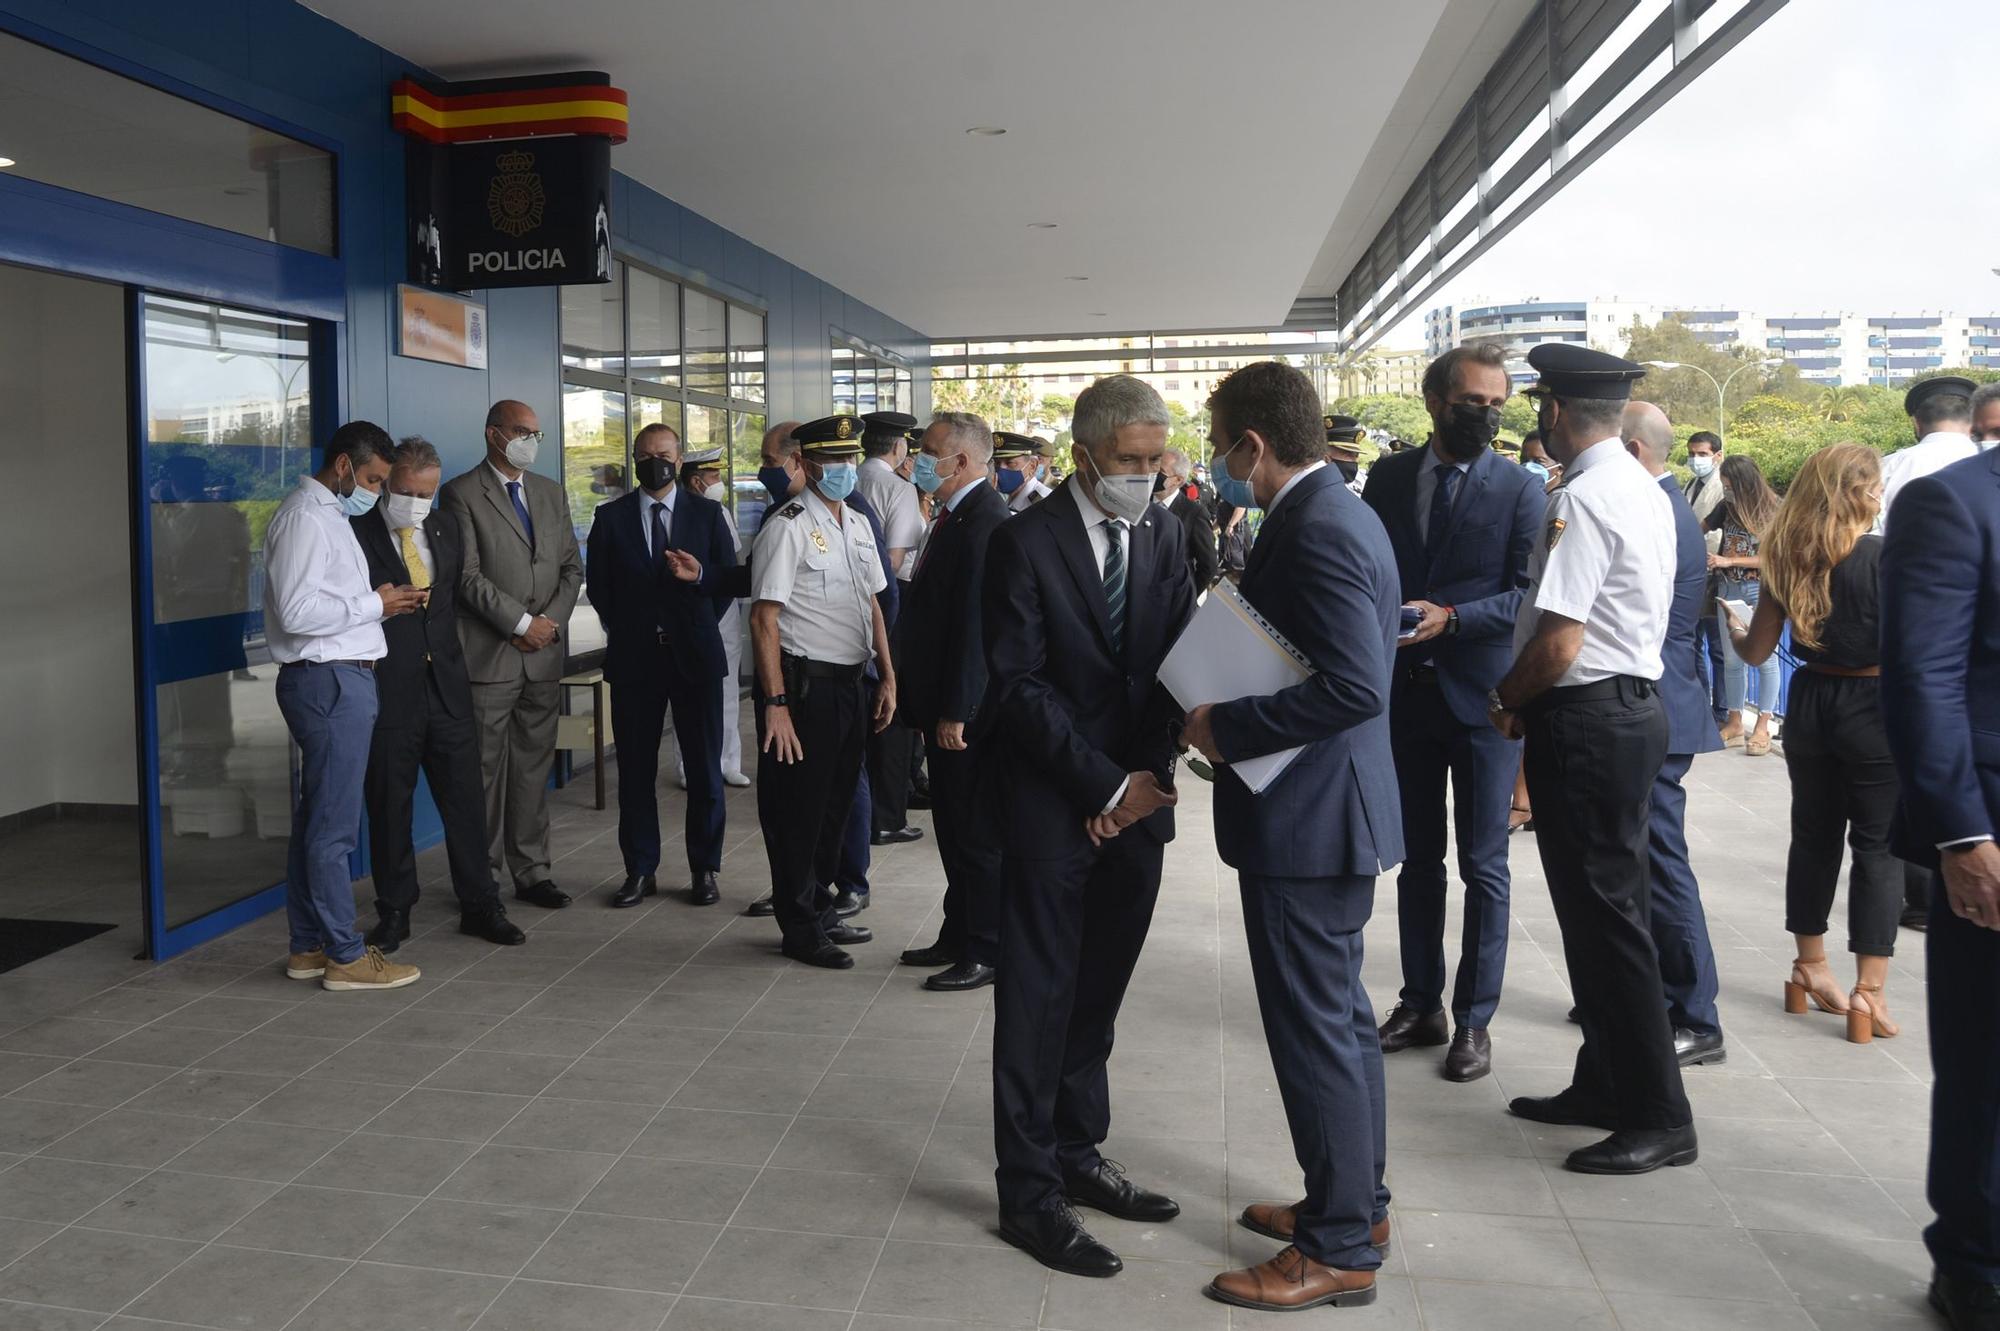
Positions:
{"x": 646, "y": 1118}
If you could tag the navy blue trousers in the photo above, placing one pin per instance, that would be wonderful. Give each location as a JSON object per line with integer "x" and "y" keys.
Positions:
{"x": 1964, "y": 1186}
{"x": 963, "y": 803}
{"x": 330, "y": 710}
{"x": 1680, "y": 928}
{"x": 1432, "y": 746}
{"x": 855, "y": 853}
{"x": 1305, "y": 956}
{"x": 639, "y": 711}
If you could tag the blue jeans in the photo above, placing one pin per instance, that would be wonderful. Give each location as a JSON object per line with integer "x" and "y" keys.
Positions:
{"x": 1735, "y": 674}
{"x": 330, "y": 710}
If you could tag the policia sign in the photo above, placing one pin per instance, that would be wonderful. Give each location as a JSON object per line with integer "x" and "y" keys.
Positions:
{"x": 509, "y": 180}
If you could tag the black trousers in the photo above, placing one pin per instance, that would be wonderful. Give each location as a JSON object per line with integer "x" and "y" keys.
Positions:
{"x": 1591, "y": 766}
{"x": 1963, "y": 965}
{"x": 802, "y": 807}
{"x": 1070, "y": 933}
{"x": 1843, "y": 787}
{"x": 639, "y": 710}
{"x": 445, "y": 748}
{"x": 963, "y": 812}
{"x": 889, "y": 756}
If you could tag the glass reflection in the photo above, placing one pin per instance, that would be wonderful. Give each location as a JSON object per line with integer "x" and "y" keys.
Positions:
{"x": 595, "y": 471}
{"x": 593, "y": 325}
{"x": 746, "y": 354}
{"x": 226, "y": 771}
{"x": 707, "y": 344}
{"x": 656, "y": 328}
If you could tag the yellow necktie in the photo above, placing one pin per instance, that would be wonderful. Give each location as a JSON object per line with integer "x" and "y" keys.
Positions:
{"x": 420, "y": 574}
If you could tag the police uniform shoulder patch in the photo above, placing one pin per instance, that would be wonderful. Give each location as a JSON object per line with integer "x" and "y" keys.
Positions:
{"x": 1556, "y": 528}
{"x": 791, "y": 510}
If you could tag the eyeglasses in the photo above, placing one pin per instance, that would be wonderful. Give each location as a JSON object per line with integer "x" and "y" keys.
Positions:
{"x": 517, "y": 432}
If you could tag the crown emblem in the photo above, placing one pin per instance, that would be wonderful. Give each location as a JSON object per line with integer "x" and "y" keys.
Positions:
{"x": 843, "y": 428}
{"x": 515, "y": 199}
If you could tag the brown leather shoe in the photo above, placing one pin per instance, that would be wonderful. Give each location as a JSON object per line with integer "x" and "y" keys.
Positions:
{"x": 1275, "y": 1221}
{"x": 1291, "y": 1281}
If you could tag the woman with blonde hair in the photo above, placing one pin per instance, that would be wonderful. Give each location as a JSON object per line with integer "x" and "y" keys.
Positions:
{"x": 1819, "y": 567}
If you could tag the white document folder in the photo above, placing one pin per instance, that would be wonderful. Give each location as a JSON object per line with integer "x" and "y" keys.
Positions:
{"x": 1228, "y": 652}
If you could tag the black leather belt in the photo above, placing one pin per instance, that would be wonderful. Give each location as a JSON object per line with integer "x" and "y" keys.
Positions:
{"x": 365, "y": 665}
{"x": 812, "y": 669}
{"x": 1421, "y": 674}
{"x": 1601, "y": 690}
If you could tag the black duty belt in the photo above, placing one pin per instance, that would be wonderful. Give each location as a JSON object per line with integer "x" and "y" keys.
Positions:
{"x": 812, "y": 669}
{"x": 1602, "y": 690}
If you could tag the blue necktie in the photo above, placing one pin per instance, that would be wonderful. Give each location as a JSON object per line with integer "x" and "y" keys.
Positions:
{"x": 521, "y": 509}
{"x": 1441, "y": 498}
{"x": 1114, "y": 581}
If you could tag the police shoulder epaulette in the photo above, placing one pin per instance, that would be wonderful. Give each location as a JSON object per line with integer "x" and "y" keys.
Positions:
{"x": 792, "y": 509}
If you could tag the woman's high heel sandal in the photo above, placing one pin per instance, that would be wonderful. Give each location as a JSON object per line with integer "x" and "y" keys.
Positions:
{"x": 1821, "y": 989}
{"x": 1865, "y": 1019}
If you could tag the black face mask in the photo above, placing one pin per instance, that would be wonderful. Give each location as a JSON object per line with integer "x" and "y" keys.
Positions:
{"x": 1470, "y": 430}
{"x": 654, "y": 473}
{"x": 1348, "y": 468}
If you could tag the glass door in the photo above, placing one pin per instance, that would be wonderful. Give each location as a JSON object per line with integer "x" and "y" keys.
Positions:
{"x": 225, "y": 431}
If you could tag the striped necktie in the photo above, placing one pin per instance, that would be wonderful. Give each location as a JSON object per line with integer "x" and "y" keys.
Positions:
{"x": 1114, "y": 580}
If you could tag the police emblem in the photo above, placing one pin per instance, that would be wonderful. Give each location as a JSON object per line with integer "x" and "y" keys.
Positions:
{"x": 843, "y": 428}
{"x": 1556, "y": 526}
{"x": 515, "y": 198}
{"x": 820, "y": 541}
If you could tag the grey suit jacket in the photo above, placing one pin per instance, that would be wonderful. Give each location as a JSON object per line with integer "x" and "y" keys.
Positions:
{"x": 506, "y": 576}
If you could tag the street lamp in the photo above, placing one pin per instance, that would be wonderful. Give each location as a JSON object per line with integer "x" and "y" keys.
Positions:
{"x": 1722, "y": 388}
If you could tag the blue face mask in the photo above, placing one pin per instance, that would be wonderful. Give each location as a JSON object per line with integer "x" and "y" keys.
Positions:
{"x": 836, "y": 481}
{"x": 357, "y": 501}
{"x": 924, "y": 474}
{"x": 1540, "y": 472}
{"x": 1235, "y": 493}
{"x": 1009, "y": 480}
{"x": 776, "y": 480}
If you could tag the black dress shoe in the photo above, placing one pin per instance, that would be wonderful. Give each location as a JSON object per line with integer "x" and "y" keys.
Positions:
{"x": 822, "y": 954}
{"x": 845, "y": 934}
{"x": 703, "y": 891}
{"x": 937, "y": 954}
{"x": 898, "y": 837}
{"x": 1058, "y": 1240}
{"x": 1967, "y": 1305}
{"x": 1471, "y": 1055}
{"x": 846, "y": 903}
{"x": 1565, "y": 1111}
{"x": 637, "y": 888}
{"x": 1407, "y": 1028}
{"x": 390, "y": 931}
{"x": 1636, "y": 1151}
{"x": 1107, "y": 1189}
{"x": 761, "y": 906}
{"x": 492, "y": 925}
{"x": 544, "y": 894}
{"x": 1693, "y": 1048}
{"x": 962, "y": 976}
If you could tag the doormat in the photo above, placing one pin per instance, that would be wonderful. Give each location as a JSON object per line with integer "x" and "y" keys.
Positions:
{"x": 23, "y": 941}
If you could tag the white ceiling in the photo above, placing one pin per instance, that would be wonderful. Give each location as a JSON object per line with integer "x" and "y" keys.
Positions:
{"x": 1202, "y": 161}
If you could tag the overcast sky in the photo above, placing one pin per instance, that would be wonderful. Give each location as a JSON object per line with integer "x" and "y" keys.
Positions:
{"x": 1840, "y": 158}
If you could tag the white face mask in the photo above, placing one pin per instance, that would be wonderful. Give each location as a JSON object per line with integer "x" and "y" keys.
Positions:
{"x": 1126, "y": 497}
{"x": 521, "y": 452}
{"x": 405, "y": 511}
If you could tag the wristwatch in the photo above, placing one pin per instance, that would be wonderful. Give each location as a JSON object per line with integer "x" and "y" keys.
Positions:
{"x": 1451, "y": 621}
{"x": 777, "y": 700}
{"x": 1493, "y": 703}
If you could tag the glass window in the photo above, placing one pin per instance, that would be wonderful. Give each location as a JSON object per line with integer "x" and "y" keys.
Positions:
{"x": 707, "y": 345}
{"x": 593, "y": 326}
{"x": 843, "y": 378}
{"x": 656, "y": 328}
{"x": 707, "y": 427}
{"x": 746, "y": 354}
{"x": 596, "y": 469}
{"x": 654, "y": 411}
{"x": 746, "y": 457}
{"x": 82, "y": 128}
{"x": 864, "y": 385}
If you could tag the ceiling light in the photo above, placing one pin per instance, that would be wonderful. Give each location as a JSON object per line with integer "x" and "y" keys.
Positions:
{"x": 1099, "y": 314}
{"x": 987, "y": 131}
{"x": 1078, "y": 277}
{"x": 6, "y": 162}
{"x": 1041, "y": 226}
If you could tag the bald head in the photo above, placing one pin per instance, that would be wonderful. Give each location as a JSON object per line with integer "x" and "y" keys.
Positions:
{"x": 1648, "y": 435}
{"x": 778, "y": 439}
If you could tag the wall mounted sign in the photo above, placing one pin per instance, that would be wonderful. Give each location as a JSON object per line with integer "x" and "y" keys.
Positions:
{"x": 446, "y": 329}
{"x": 509, "y": 180}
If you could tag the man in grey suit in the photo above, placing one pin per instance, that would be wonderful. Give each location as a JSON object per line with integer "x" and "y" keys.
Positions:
{"x": 520, "y": 581}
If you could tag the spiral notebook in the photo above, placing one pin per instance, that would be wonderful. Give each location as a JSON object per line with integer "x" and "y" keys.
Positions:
{"x": 1228, "y": 651}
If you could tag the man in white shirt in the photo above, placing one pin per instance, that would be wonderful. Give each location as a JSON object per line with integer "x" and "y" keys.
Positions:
{"x": 1020, "y": 466}
{"x": 892, "y": 753}
{"x": 323, "y": 624}
{"x": 1584, "y": 691}
{"x": 1940, "y": 410}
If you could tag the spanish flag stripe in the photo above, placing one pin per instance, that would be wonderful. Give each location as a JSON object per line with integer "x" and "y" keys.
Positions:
{"x": 527, "y": 113}
{"x": 514, "y": 97}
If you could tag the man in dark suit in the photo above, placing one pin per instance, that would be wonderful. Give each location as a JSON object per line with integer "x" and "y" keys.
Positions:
{"x": 1204, "y": 555}
{"x": 1941, "y": 707}
{"x": 1084, "y": 593}
{"x": 1680, "y": 926}
{"x": 941, "y": 661}
{"x": 1463, "y": 522}
{"x": 657, "y": 570}
{"x": 1308, "y": 848}
{"x": 425, "y": 717}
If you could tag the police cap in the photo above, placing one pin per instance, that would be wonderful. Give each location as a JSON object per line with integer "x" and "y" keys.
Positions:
{"x": 1343, "y": 433}
{"x": 1930, "y": 388}
{"x": 1569, "y": 370}
{"x": 830, "y": 436}
{"x": 704, "y": 458}
{"x": 889, "y": 422}
{"x": 1007, "y": 444}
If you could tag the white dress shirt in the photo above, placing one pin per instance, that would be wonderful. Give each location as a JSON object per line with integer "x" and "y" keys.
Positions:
{"x": 647, "y": 503}
{"x": 824, "y": 574}
{"x": 1427, "y": 484}
{"x": 318, "y": 605}
{"x": 1607, "y": 559}
{"x": 1933, "y": 452}
{"x": 1032, "y": 491}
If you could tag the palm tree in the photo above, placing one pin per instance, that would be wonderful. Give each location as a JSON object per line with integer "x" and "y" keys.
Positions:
{"x": 1840, "y": 403}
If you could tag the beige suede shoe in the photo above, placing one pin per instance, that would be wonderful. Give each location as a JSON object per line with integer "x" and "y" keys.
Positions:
{"x": 370, "y": 970}
{"x": 306, "y": 965}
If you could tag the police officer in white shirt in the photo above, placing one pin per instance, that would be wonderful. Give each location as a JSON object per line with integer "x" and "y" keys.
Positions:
{"x": 1583, "y": 691}
{"x": 1020, "y": 462}
{"x": 1940, "y": 411}
{"x": 323, "y": 624}
{"x": 814, "y": 626}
